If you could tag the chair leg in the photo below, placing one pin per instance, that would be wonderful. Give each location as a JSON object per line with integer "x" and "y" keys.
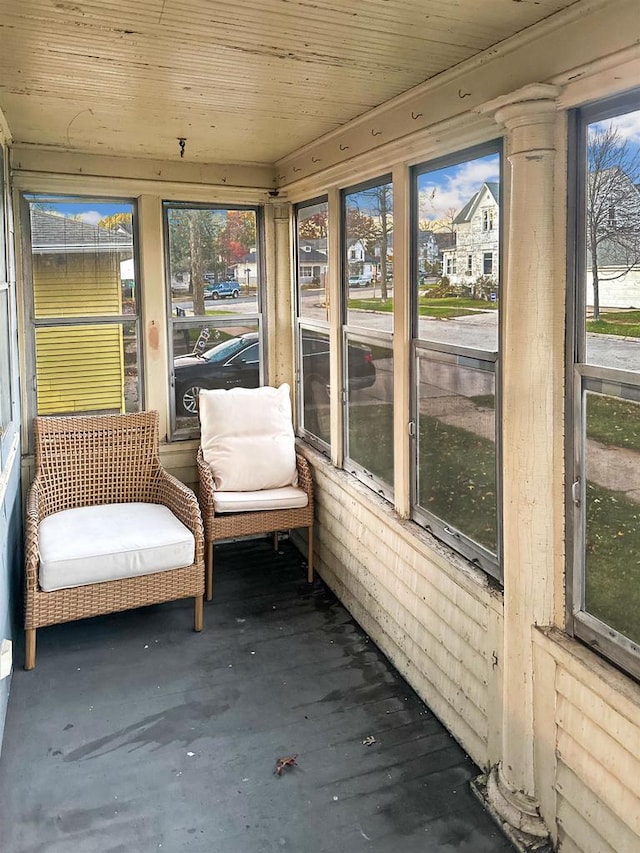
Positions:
{"x": 209, "y": 571}
{"x": 275, "y": 540}
{"x": 198, "y": 613}
{"x": 30, "y": 648}
{"x": 310, "y": 553}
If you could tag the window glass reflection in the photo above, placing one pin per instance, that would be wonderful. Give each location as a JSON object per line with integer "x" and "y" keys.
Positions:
{"x": 612, "y": 262}
{"x": 456, "y": 456}
{"x": 370, "y": 408}
{"x": 457, "y": 259}
{"x": 612, "y": 582}
{"x": 368, "y": 257}
{"x": 313, "y": 261}
{"x": 209, "y": 356}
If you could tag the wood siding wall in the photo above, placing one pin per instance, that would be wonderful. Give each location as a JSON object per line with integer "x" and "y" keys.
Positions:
{"x": 439, "y": 631}
{"x": 78, "y": 368}
{"x": 76, "y": 285}
{"x": 588, "y": 763}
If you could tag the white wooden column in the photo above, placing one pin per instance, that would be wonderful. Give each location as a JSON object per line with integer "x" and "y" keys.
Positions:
{"x": 531, "y": 376}
{"x": 153, "y": 308}
{"x": 279, "y": 311}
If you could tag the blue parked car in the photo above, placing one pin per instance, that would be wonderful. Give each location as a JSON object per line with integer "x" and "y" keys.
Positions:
{"x": 222, "y": 289}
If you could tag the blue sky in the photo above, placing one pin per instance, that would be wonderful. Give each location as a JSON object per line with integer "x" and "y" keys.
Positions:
{"x": 451, "y": 188}
{"x": 87, "y": 209}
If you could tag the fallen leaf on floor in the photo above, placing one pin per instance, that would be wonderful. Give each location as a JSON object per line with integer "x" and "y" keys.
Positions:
{"x": 369, "y": 740}
{"x": 287, "y": 761}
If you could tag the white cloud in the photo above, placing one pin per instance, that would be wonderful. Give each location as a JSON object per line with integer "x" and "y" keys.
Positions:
{"x": 628, "y": 126}
{"x": 452, "y": 191}
{"x": 91, "y": 216}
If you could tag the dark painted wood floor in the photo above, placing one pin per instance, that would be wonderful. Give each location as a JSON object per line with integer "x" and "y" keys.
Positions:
{"x": 133, "y": 734}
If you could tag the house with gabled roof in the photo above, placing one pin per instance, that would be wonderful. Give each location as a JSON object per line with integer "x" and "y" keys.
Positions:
{"x": 476, "y": 227}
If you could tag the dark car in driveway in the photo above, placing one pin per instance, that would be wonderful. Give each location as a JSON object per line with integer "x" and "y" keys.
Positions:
{"x": 222, "y": 290}
{"x": 236, "y": 362}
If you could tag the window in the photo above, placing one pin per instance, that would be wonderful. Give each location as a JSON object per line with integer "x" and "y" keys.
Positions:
{"x": 605, "y": 398}
{"x": 213, "y": 299}
{"x": 487, "y": 219}
{"x": 312, "y": 221}
{"x": 487, "y": 263}
{"x": 84, "y": 305}
{"x": 367, "y": 334}
{"x": 5, "y": 319}
{"x": 455, "y": 366}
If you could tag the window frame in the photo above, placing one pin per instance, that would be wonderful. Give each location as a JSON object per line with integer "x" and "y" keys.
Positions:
{"x": 490, "y": 563}
{"x": 584, "y": 377}
{"x": 182, "y": 323}
{"x": 7, "y": 330}
{"x": 32, "y": 323}
{"x": 360, "y": 334}
{"x": 302, "y": 325}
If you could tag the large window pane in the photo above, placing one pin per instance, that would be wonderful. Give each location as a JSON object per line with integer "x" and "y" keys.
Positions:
{"x": 368, "y": 256}
{"x": 5, "y": 366}
{"x": 612, "y": 586}
{"x": 457, "y": 253}
{"x": 208, "y": 356}
{"x": 213, "y": 260}
{"x": 613, "y": 242}
{"x": 369, "y": 370}
{"x": 213, "y": 285}
{"x": 83, "y": 267}
{"x": 456, "y": 454}
{"x": 606, "y": 437}
{"x": 313, "y": 261}
{"x": 314, "y": 381}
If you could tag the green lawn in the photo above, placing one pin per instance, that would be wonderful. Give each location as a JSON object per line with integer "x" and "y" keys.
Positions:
{"x": 457, "y": 477}
{"x": 613, "y": 560}
{"x": 624, "y": 323}
{"x": 445, "y": 308}
{"x": 613, "y": 421}
{"x": 457, "y": 468}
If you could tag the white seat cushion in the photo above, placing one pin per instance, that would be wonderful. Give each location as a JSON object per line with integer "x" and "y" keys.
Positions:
{"x": 247, "y": 438}
{"x": 289, "y": 497}
{"x": 92, "y": 544}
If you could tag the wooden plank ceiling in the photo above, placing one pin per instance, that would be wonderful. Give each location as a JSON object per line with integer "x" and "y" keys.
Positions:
{"x": 244, "y": 81}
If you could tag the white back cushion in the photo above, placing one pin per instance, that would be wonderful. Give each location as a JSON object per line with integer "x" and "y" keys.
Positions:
{"x": 247, "y": 438}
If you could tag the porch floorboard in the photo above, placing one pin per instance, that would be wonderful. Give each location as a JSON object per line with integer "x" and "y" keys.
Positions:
{"x": 134, "y": 734}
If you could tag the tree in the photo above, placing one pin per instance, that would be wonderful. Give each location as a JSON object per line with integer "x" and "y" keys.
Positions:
{"x": 374, "y": 227}
{"x": 313, "y": 227}
{"x": 238, "y": 236}
{"x": 204, "y": 240}
{"x": 613, "y": 207}
{"x": 120, "y": 222}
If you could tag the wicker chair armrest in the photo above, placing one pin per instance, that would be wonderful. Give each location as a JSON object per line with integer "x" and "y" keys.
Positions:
{"x": 305, "y": 480}
{"x": 207, "y": 486}
{"x": 183, "y": 504}
{"x": 35, "y": 512}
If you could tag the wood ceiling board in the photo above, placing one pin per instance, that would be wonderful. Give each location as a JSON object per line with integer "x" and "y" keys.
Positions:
{"x": 271, "y": 75}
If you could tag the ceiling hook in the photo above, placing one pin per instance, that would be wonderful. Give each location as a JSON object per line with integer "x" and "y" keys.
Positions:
{"x": 182, "y": 142}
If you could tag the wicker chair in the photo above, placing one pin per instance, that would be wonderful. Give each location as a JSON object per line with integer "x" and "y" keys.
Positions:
{"x": 228, "y": 525}
{"x": 98, "y": 461}
{"x": 252, "y": 480}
